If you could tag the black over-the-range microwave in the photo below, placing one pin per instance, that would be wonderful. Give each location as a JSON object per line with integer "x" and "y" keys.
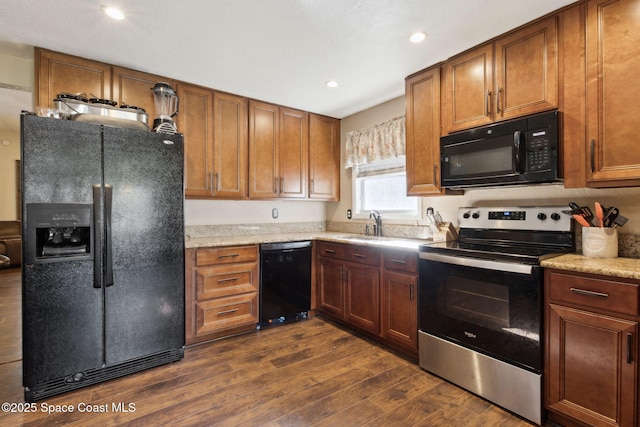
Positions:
{"x": 519, "y": 151}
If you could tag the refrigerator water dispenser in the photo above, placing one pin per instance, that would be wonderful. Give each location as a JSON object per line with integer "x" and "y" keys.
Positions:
{"x": 59, "y": 232}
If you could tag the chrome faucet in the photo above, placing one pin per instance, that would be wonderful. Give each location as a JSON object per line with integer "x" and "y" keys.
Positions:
{"x": 377, "y": 227}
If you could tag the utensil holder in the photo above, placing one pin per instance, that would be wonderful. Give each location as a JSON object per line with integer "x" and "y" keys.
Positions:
{"x": 600, "y": 242}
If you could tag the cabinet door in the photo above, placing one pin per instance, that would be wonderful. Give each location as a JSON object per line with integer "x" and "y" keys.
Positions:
{"x": 195, "y": 121}
{"x": 613, "y": 60}
{"x": 264, "y": 131}
{"x": 422, "y": 92}
{"x": 59, "y": 73}
{"x": 592, "y": 366}
{"x": 131, "y": 87}
{"x": 362, "y": 296}
{"x": 324, "y": 158}
{"x": 468, "y": 89}
{"x": 527, "y": 71}
{"x": 330, "y": 288}
{"x": 231, "y": 146}
{"x": 294, "y": 153}
{"x": 399, "y": 309}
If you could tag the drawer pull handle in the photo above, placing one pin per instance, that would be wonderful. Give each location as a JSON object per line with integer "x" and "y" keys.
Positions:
{"x": 330, "y": 251}
{"x": 398, "y": 261}
{"x": 629, "y": 348}
{"x": 359, "y": 256}
{"x": 228, "y": 256}
{"x": 228, "y": 311}
{"x": 589, "y": 293}
{"x": 230, "y": 279}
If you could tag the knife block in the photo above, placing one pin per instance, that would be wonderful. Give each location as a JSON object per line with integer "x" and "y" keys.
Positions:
{"x": 446, "y": 233}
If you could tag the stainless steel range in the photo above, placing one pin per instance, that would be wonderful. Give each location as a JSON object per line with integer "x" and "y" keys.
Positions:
{"x": 481, "y": 303}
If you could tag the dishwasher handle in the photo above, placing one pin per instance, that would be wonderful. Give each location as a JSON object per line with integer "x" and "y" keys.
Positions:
{"x": 284, "y": 246}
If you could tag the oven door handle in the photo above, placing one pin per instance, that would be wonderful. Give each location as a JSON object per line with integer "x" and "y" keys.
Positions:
{"x": 478, "y": 263}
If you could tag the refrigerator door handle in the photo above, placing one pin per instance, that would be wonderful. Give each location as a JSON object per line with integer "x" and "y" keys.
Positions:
{"x": 97, "y": 237}
{"x": 108, "y": 189}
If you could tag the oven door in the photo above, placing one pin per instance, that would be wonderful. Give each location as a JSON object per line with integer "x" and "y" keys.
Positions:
{"x": 492, "y": 307}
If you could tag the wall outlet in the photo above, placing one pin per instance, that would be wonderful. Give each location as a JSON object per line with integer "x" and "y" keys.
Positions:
{"x": 348, "y": 213}
{"x": 274, "y": 213}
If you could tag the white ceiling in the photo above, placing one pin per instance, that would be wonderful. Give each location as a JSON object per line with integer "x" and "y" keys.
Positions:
{"x": 281, "y": 51}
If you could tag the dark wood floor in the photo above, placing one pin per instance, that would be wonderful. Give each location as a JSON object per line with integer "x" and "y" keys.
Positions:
{"x": 307, "y": 373}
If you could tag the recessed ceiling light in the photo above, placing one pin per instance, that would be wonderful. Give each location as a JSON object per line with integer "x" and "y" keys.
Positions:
{"x": 113, "y": 12}
{"x": 332, "y": 83}
{"x": 418, "y": 37}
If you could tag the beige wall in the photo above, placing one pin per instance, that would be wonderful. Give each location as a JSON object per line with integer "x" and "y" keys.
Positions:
{"x": 16, "y": 83}
{"x": 626, "y": 199}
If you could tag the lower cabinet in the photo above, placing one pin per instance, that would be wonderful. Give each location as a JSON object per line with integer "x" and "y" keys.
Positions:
{"x": 591, "y": 371}
{"x": 372, "y": 290}
{"x": 399, "y": 298}
{"x": 221, "y": 291}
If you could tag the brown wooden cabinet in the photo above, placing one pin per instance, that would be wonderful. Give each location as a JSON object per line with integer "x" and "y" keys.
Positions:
{"x": 59, "y": 73}
{"x": 294, "y": 154}
{"x": 372, "y": 290}
{"x": 230, "y": 146}
{"x": 195, "y": 121}
{"x": 399, "y": 300}
{"x": 324, "y": 158}
{"x": 513, "y": 76}
{"x": 422, "y": 102}
{"x": 613, "y": 60}
{"x": 349, "y": 284}
{"x": 221, "y": 291}
{"x": 278, "y": 151}
{"x": 130, "y": 87}
{"x": 214, "y": 125}
{"x": 591, "y": 356}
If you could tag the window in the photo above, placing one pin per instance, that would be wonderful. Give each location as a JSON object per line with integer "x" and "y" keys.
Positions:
{"x": 382, "y": 186}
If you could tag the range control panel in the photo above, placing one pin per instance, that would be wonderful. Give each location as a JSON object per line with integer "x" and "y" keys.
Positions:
{"x": 540, "y": 218}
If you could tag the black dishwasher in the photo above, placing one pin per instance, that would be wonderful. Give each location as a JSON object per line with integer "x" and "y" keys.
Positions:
{"x": 285, "y": 282}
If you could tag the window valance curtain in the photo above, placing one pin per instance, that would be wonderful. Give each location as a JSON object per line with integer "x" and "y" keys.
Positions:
{"x": 380, "y": 142}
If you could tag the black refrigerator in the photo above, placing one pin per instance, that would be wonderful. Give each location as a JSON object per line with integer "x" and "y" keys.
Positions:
{"x": 103, "y": 253}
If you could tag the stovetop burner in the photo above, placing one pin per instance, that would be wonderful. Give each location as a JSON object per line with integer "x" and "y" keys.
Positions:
{"x": 522, "y": 234}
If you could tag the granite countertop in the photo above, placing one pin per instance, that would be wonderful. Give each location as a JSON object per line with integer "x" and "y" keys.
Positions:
{"x": 389, "y": 242}
{"x": 617, "y": 267}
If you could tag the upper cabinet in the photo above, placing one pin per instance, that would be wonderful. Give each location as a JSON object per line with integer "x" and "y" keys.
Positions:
{"x": 59, "y": 73}
{"x": 230, "y": 145}
{"x": 130, "y": 87}
{"x": 613, "y": 60}
{"x": 230, "y": 152}
{"x": 195, "y": 121}
{"x": 278, "y": 151}
{"x": 513, "y": 76}
{"x": 324, "y": 158}
{"x": 422, "y": 102}
{"x": 215, "y": 134}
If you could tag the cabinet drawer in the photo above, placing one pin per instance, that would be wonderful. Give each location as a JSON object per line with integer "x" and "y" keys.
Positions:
{"x": 596, "y": 293}
{"x": 363, "y": 254}
{"x": 332, "y": 250}
{"x": 226, "y": 312}
{"x": 226, "y": 255}
{"x": 224, "y": 280}
{"x": 400, "y": 260}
